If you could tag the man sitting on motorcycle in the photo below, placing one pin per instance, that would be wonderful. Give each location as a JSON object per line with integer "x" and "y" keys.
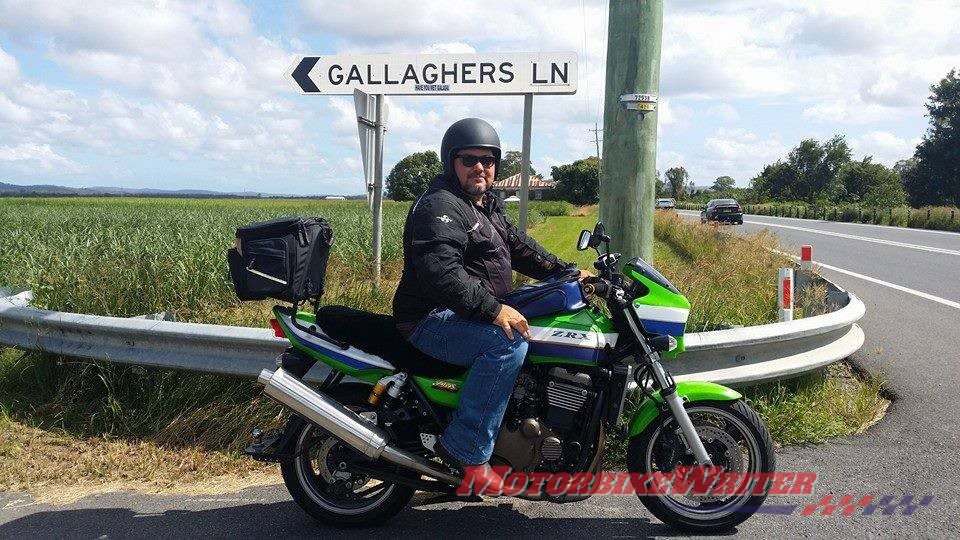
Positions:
{"x": 459, "y": 249}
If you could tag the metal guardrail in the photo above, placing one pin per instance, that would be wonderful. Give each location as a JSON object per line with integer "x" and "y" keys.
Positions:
{"x": 737, "y": 356}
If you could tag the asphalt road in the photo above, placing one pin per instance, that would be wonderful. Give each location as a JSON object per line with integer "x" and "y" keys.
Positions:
{"x": 909, "y": 283}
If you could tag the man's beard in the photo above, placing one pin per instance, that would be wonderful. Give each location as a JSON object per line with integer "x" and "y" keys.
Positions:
{"x": 475, "y": 190}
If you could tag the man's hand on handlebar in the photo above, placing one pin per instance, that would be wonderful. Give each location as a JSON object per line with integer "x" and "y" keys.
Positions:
{"x": 584, "y": 274}
{"x": 510, "y": 319}
{"x": 593, "y": 285}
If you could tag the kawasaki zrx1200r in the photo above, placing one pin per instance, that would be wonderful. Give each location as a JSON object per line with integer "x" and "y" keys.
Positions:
{"x": 361, "y": 442}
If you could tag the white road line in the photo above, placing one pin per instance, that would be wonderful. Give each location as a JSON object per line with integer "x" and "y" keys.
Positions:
{"x": 919, "y": 247}
{"x": 807, "y": 220}
{"x": 875, "y": 226}
{"x": 901, "y": 288}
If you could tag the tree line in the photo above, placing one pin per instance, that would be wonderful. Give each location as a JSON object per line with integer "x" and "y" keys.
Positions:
{"x": 577, "y": 182}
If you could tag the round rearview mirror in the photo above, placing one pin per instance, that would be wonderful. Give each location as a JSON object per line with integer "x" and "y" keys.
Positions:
{"x": 584, "y": 241}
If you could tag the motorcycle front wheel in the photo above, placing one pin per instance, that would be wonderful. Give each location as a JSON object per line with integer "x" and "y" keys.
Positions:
{"x": 318, "y": 480}
{"x": 736, "y": 440}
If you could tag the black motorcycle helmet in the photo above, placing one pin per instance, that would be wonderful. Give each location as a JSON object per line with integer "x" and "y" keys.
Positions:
{"x": 468, "y": 133}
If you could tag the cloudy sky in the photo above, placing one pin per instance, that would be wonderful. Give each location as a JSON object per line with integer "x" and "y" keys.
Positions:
{"x": 174, "y": 94}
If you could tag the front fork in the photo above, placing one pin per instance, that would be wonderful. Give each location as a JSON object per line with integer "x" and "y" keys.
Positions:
{"x": 669, "y": 393}
{"x": 687, "y": 432}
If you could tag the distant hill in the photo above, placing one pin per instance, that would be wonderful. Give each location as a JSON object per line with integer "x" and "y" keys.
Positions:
{"x": 44, "y": 190}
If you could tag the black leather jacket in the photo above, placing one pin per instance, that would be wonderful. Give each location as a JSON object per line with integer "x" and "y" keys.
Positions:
{"x": 459, "y": 256}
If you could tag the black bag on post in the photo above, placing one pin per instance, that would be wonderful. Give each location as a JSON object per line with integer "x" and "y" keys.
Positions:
{"x": 284, "y": 258}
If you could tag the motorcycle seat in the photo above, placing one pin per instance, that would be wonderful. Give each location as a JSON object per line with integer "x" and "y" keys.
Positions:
{"x": 377, "y": 334}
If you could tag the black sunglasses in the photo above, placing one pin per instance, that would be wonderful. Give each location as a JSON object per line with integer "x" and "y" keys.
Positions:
{"x": 470, "y": 161}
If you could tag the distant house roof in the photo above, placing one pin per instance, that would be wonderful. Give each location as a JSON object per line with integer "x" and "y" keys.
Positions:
{"x": 513, "y": 182}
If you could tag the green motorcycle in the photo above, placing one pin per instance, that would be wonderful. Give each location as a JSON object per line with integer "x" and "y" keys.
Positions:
{"x": 360, "y": 443}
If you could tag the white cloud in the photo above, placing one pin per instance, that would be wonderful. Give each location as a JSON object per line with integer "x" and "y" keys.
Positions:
{"x": 36, "y": 155}
{"x": 725, "y": 112}
{"x": 708, "y": 54}
{"x": 162, "y": 30}
{"x": 843, "y": 33}
{"x": 12, "y": 112}
{"x": 671, "y": 113}
{"x": 452, "y": 47}
{"x": 9, "y": 70}
{"x": 669, "y": 158}
{"x": 375, "y": 21}
{"x": 738, "y": 153}
{"x": 885, "y": 147}
{"x": 851, "y": 110}
{"x": 738, "y": 144}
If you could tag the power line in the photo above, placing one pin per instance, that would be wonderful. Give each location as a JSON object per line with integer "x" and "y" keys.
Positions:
{"x": 586, "y": 63}
{"x": 596, "y": 140}
{"x": 606, "y": 24}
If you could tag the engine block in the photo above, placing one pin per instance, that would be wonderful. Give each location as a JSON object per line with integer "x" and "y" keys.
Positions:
{"x": 567, "y": 393}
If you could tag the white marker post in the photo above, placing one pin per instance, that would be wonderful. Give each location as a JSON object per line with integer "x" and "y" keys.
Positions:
{"x": 441, "y": 74}
{"x": 806, "y": 257}
{"x": 785, "y": 294}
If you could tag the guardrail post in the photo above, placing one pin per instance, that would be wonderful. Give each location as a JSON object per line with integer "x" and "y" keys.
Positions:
{"x": 785, "y": 294}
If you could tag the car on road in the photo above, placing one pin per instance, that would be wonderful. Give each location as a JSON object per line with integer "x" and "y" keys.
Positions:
{"x": 721, "y": 210}
{"x": 665, "y": 204}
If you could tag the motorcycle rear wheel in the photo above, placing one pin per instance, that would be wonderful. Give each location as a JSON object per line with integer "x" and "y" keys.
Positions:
{"x": 735, "y": 439}
{"x": 317, "y": 482}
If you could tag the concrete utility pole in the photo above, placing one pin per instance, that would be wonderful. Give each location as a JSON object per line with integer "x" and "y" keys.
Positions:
{"x": 630, "y": 140}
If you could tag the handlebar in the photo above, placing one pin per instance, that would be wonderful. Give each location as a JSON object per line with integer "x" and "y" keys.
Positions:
{"x": 596, "y": 286}
{"x": 602, "y": 288}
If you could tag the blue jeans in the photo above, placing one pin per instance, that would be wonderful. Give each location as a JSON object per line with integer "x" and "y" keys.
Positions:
{"x": 494, "y": 361}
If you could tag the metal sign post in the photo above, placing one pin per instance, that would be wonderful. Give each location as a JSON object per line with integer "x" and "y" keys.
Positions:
{"x": 378, "y": 189}
{"x": 369, "y": 77}
{"x": 525, "y": 160}
{"x": 371, "y": 124}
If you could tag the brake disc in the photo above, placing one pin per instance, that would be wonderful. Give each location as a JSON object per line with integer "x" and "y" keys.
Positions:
{"x": 723, "y": 448}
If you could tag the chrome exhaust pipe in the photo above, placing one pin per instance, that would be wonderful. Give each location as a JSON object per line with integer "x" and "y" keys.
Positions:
{"x": 344, "y": 424}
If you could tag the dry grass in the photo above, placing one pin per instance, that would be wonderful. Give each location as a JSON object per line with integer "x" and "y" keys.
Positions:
{"x": 729, "y": 280}
{"x": 59, "y": 467}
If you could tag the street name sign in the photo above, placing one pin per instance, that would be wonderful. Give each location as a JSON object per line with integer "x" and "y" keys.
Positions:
{"x": 437, "y": 74}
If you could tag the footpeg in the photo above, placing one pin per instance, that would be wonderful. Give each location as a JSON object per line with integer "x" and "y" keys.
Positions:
{"x": 265, "y": 449}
